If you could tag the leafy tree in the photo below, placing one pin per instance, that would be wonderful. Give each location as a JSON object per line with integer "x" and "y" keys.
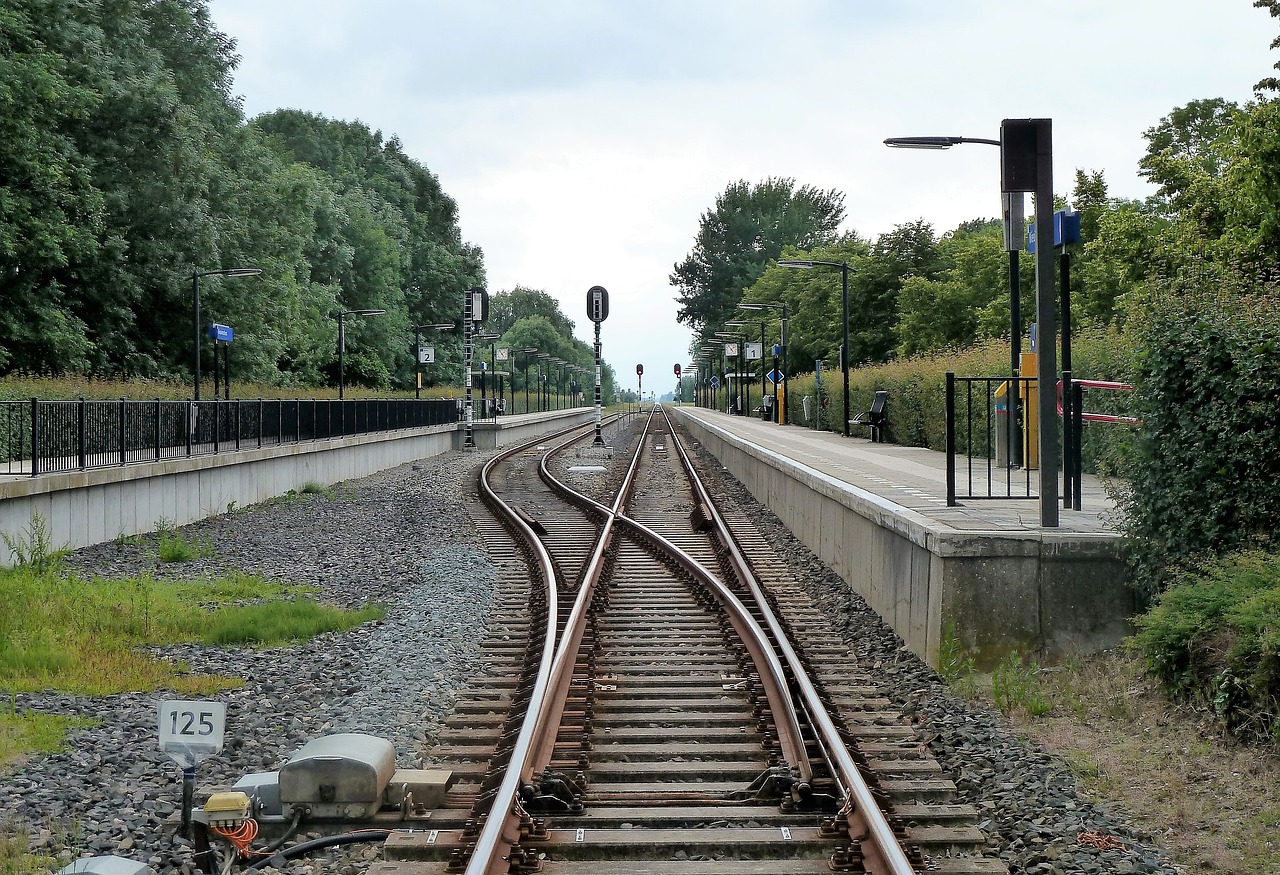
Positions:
{"x": 909, "y": 249}
{"x": 507, "y": 308}
{"x": 737, "y": 239}
{"x": 947, "y": 311}
{"x": 50, "y": 213}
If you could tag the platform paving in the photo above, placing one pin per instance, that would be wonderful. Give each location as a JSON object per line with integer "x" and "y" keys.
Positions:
{"x": 915, "y": 478}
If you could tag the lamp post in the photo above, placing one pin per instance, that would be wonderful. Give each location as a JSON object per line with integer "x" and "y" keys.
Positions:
{"x": 744, "y": 323}
{"x": 417, "y": 352}
{"x": 342, "y": 340}
{"x": 195, "y": 295}
{"x": 528, "y": 351}
{"x": 779, "y": 414}
{"x": 844, "y": 319}
{"x": 1026, "y": 164}
{"x": 490, "y": 336}
{"x": 740, "y": 341}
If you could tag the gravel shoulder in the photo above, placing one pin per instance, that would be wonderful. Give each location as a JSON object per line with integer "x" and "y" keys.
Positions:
{"x": 402, "y": 538}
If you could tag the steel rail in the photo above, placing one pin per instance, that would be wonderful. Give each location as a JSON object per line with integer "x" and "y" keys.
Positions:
{"x": 552, "y": 710}
{"x": 867, "y": 824}
{"x": 772, "y": 677}
{"x": 496, "y": 837}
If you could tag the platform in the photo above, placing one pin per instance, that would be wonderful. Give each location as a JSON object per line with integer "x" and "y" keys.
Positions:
{"x": 984, "y": 574}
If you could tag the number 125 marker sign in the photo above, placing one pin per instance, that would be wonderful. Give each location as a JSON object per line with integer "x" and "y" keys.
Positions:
{"x": 191, "y": 732}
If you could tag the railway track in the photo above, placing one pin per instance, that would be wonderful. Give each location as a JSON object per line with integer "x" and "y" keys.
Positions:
{"x": 661, "y": 697}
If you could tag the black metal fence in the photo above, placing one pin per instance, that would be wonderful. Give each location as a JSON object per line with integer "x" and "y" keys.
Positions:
{"x": 42, "y": 437}
{"x": 986, "y": 427}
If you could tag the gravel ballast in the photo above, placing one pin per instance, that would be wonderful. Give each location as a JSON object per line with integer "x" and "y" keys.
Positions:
{"x": 403, "y": 538}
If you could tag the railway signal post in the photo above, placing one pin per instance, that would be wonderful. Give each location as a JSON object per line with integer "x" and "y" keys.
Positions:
{"x": 597, "y": 312}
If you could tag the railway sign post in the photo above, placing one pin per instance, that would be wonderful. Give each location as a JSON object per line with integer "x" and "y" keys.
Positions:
{"x": 597, "y": 312}
{"x": 640, "y": 382}
{"x": 190, "y": 733}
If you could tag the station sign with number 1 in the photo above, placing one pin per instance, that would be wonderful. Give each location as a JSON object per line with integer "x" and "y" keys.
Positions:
{"x": 191, "y": 732}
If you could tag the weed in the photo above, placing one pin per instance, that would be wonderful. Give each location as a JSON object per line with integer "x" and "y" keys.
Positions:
{"x": 173, "y": 547}
{"x": 953, "y": 664}
{"x": 231, "y": 507}
{"x": 34, "y": 548}
{"x": 35, "y": 733}
{"x": 1014, "y": 687}
{"x": 311, "y": 487}
{"x": 123, "y": 540}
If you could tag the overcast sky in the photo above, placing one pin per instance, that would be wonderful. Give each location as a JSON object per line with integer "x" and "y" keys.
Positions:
{"x": 583, "y": 140}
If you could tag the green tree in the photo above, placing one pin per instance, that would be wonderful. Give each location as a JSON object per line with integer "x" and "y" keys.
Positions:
{"x": 948, "y": 311}
{"x": 737, "y": 239}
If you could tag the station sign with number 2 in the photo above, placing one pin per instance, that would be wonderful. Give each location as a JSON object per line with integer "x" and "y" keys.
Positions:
{"x": 191, "y": 732}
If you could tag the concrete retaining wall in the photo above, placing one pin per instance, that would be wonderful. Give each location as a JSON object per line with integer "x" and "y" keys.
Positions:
{"x": 1043, "y": 593}
{"x": 100, "y": 504}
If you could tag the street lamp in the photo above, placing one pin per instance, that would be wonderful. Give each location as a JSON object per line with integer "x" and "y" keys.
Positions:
{"x": 1026, "y": 164}
{"x": 739, "y": 323}
{"x": 844, "y": 313}
{"x": 528, "y": 351}
{"x": 417, "y": 352}
{"x": 195, "y": 294}
{"x": 779, "y": 414}
{"x": 490, "y": 336}
{"x": 738, "y": 340}
{"x": 342, "y": 340}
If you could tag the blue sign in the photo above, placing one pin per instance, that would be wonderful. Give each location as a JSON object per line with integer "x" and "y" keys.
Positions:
{"x": 777, "y": 349}
{"x": 220, "y": 333}
{"x": 715, "y": 382}
{"x": 775, "y": 376}
{"x": 1066, "y": 227}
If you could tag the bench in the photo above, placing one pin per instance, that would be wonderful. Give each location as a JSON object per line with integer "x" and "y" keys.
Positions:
{"x": 874, "y": 418}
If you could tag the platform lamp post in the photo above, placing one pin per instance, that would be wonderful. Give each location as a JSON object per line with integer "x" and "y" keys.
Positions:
{"x": 417, "y": 351}
{"x": 1026, "y": 165}
{"x": 491, "y": 337}
{"x": 195, "y": 295}
{"x": 1013, "y": 233}
{"x": 342, "y": 340}
{"x": 742, "y": 323}
{"x": 779, "y": 414}
{"x": 739, "y": 341}
{"x": 527, "y": 351}
{"x": 844, "y": 318}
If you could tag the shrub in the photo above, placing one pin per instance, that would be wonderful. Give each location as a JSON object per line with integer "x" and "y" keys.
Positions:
{"x": 1214, "y": 639}
{"x": 1204, "y": 471}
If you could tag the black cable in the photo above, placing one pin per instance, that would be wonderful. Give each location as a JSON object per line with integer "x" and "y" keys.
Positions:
{"x": 348, "y": 838}
{"x": 288, "y": 833}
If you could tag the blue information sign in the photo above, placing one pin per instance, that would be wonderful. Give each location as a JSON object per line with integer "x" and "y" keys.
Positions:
{"x": 221, "y": 332}
{"x": 715, "y": 382}
{"x": 775, "y": 376}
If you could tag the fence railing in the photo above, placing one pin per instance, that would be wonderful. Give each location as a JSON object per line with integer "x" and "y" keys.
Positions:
{"x": 991, "y": 424}
{"x": 42, "y": 437}
{"x": 985, "y": 425}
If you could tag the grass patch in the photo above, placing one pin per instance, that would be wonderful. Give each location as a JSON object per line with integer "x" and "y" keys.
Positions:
{"x": 15, "y": 858}
{"x": 172, "y": 546}
{"x": 311, "y": 487}
{"x": 285, "y": 622}
{"x": 30, "y": 732}
{"x": 1210, "y": 800}
{"x": 87, "y": 636}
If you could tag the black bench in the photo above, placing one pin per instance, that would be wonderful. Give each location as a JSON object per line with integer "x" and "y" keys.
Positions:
{"x": 874, "y": 418}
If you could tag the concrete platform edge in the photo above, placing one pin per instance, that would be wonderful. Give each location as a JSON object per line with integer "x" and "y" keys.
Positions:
{"x": 1043, "y": 593}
